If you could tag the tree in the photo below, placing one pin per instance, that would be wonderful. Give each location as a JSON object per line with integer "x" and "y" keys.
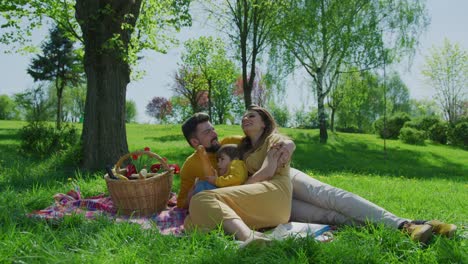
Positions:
{"x": 397, "y": 94}
{"x": 190, "y": 85}
{"x": 58, "y": 63}
{"x": 181, "y": 109}
{"x": 8, "y": 109}
{"x": 74, "y": 103}
{"x": 130, "y": 111}
{"x": 360, "y": 101}
{"x": 425, "y": 107}
{"x": 327, "y": 35}
{"x": 159, "y": 108}
{"x": 113, "y": 33}
{"x": 249, "y": 24}
{"x": 446, "y": 69}
{"x": 207, "y": 56}
{"x": 34, "y": 104}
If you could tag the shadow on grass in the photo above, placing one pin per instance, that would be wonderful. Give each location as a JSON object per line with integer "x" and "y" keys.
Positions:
{"x": 166, "y": 138}
{"x": 9, "y": 134}
{"x": 369, "y": 158}
{"x": 24, "y": 172}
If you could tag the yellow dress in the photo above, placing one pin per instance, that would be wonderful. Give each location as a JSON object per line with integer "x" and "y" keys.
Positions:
{"x": 259, "y": 205}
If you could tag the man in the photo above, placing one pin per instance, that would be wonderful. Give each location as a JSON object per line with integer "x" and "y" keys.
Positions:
{"x": 198, "y": 131}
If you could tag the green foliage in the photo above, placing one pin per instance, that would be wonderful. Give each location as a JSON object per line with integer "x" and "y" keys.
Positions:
{"x": 423, "y": 124}
{"x": 74, "y": 100}
{"x": 181, "y": 110}
{"x": 58, "y": 64}
{"x": 206, "y": 58}
{"x": 446, "y": 69}
{"x": 349, "y": 129}
{"x": 34, "y": 104}
{"x": 397, "y": 94}
{"x": 304, "y": 119}
{"x": 412, "y": 136}
{"x": 250, "y": 25}
{"x": 280, "y": 114}
{"x": 361, "y": 100}
{"x": 130, "y": 111}
{"x": 8, "y": 109}
{"x": 438, "y": 132}
{"x": 326, "y": 36}
{"x": 41, "y": 139}
{"x": 392, "y": 127}
{"x": 421, "y": 108}
{"x": 458, "y": 135}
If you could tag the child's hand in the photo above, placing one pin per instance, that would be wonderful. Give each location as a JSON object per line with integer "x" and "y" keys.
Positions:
{"x": 212, "y": 179}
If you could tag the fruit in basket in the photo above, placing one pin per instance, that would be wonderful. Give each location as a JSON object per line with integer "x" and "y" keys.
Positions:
{"x": 143, "y": 173}
{"x": 121, "y": 177}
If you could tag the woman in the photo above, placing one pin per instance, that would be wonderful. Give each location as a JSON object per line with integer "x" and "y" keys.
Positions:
{"x": 264, "y": 200}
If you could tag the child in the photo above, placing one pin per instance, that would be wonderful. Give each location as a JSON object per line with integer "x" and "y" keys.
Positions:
{"x": 232, "y": 170}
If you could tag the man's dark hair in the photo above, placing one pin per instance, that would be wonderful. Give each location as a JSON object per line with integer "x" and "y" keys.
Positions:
{"x": 231, "y": 150}
{"x": 189, "y": 127}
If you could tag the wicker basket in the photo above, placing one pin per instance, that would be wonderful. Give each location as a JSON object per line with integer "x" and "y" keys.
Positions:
{"x": 141, "y": 197}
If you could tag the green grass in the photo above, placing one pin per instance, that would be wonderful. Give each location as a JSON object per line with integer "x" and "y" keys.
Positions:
{"x": 418, "y": 182}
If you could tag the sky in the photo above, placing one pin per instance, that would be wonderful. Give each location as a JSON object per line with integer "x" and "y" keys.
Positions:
{"x": 448, "y": 20}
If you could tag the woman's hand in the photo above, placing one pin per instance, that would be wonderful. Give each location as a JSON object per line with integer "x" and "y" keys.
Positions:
{"x": 286, "y": 148}
{"x": 268, "y": 169}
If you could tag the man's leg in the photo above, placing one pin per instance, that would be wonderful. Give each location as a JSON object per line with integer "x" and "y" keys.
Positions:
{"x": 340, "y": 206}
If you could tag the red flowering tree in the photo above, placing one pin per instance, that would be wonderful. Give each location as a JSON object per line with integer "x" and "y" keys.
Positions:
{"x": 160, "y": 108}
{"x": 259, "y": 89}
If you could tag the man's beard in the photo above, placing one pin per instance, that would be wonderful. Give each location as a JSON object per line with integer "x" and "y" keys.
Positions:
{"x": 213, "y": 148}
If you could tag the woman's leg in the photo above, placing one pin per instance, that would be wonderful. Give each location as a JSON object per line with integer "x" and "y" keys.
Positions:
{"x": 340, "y": 206}
{"x": 256, "y": 205}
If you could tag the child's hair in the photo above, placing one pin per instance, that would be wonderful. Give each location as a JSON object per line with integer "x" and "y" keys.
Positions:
{"x": 231, "y": 150}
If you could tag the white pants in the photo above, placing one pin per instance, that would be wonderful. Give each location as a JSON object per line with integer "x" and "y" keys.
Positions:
{"x": 317, "y": 202}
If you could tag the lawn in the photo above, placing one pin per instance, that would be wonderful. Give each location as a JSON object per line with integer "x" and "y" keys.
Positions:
{"x": 418, "y": 182}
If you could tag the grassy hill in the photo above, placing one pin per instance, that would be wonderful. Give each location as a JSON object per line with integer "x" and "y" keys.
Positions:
{"x": 417, "y": 182}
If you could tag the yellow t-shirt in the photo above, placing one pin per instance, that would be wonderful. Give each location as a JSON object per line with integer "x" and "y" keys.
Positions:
{"x": 236, "y": 175}
{"x": 192, "y": 169}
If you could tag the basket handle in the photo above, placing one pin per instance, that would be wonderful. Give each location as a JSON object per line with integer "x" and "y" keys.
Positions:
{"x": 138, "y": 153}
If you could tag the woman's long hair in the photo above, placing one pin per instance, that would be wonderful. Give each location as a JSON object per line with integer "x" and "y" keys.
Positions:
{"x": 246, "y": 147}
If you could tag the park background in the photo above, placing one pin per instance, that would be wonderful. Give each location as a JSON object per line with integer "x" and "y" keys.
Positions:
{"x": 448, "y": 20}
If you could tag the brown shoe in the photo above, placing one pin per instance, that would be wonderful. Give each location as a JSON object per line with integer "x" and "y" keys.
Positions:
{"x": 442, "y": 228}
{"x": 419, "y": 233}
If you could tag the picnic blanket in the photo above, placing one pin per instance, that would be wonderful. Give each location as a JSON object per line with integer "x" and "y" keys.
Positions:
{"x": 168, "y": 221}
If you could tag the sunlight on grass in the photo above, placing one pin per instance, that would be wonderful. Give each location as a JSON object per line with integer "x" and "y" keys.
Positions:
{"x": 420, "y": 182}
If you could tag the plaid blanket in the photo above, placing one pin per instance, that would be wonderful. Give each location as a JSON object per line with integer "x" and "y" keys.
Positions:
{"x": 168, "y": 221}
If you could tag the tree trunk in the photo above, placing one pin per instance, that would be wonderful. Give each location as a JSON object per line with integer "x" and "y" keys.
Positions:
{"x": 58, "y": 121}
{"x": 104, "y": 136}
{"x": 209, "y": 98}
{"x": 332, "y": 119}
{"x": 321, "y": 109}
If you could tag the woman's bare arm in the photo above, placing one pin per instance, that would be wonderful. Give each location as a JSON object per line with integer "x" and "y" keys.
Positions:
{"x": 268, "y": 169}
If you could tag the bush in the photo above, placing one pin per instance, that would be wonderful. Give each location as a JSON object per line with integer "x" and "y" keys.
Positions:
{"x": 458, "y": 135}
{"x": 304, "y": 119}
{"x": 40, "y": 139}
{"x": 394, "y": 125}
{"x": 349, "y": 129}
{"x": 280, "y": 114}
{"x": 412, "y": 136}
{"x": 438, "y": 132}
{"x": 423, "y": 124}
